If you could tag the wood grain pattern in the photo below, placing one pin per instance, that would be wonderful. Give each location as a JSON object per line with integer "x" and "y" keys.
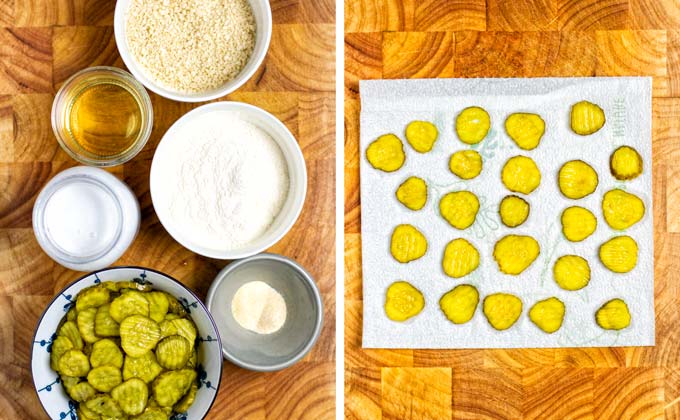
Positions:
{"x": 417, "y": 55}
{"x": 42, "y": 43}
{"x": 522, "y": 38}
{"x": 416, "y": 393}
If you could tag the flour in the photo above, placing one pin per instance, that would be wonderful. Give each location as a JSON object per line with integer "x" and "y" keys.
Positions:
{"x": 227, "y": 181}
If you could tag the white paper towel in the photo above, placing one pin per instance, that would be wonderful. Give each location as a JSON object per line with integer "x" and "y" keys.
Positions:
{"x": 388, "y": 106}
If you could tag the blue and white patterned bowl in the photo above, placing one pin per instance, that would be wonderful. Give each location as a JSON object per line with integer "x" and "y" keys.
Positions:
{"x": 52, "y": 395}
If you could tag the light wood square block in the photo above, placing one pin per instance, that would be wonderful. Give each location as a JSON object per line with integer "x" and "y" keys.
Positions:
{"x": 450, "y": 15}
{"x": 487, "y": 393}
{"x": 524, "y": 54}
{"x": 292, "y": 44}
{"x": 63, "y": 12}
{"x": 379, "y": 15}
{"x": 6, "y": 129}
{"x": 353, "y": 283}
{"x": 590, "y": 15}
{"x": 363, "y": 60}
{"x": 521, "y": 15}
{"x": 308, "y": 391}
{"x": 242, "y": 395}
{"x": 363, "y": 394}
{"x": 417, "y": 55}
{"x": 631, "y": 53}
{"x": 416, "y": 393}
{"x": 629, "y": 393}
{"x": 34, "y": 139}
{"x": 81, "y": 47}
{"x": 557, "y": 393}
{"x": 25, "y": 60}
{"x": 653, "y": 14}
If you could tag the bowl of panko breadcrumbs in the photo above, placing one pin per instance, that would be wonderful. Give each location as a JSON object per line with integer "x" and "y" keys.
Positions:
{"x": 192, "y": 50}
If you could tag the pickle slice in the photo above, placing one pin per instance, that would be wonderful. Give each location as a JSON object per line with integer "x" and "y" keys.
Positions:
{"x": 186, "y": 328}
{"x": 144, "y": 367}
{"x": 69, "y": 382}
{"x": 619, "y": 254}
{"x": 460, "y": 303}
{"x": 130, "y": 303}
{"x": 386, "y": 153}
{"x": 520, "y": 174}
{"x": 106, "y": 353}
{"x": 625, "y": 163}
{"x": 104, "y": 378}
{"x": 173, "y": 352}
{"x": 613, "y": 315}
{"x": 74, "y": 363}
{"x": 472, "y": 125}
{"x": 175, "y": 308}
{"x": 571, "y": 272}
{"x": 170, "y": 386}
{"x": 578, "y": 223}
{"x": 131, "y": 396}
{"x": 407, "y": 244}
{"x": 622, "y": 210}
{"x": 85, "y": 321}
{"x": 104, "y": 324}
{"x": 60, "y": 345}
{"x": 515, "y": 253}
{"x": 502, "y": 310}
{"x": 577, "y": 179}
{"x": 81, "y": 392}
{"x": 92, "y": 297}
{"x": 183, "y": 405}
{"x": 421, "y": 135}
{"x": 459, "y": 208}
{"x": 525, "y": 129}
{"x": 548, "y": 314}
{"x": 460, "y": 258}
{"x": 85, "y": 413}
{"x": 413, "y": 193}
{"x": 138, "y": 334}
{"x": 586, "y": 118}
{"x": 466, "y": 164}
{"x": 158, "y": 305}
{"x": 104, "y": 406}
{"x": 513, "y": 210}
{"x": 152, "y": 414}
{"x": 403, "y": 301}
{"x": 69, "y": 329}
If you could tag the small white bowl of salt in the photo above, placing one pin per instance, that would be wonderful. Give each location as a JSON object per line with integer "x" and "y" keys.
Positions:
{"x": 228, "y": 180}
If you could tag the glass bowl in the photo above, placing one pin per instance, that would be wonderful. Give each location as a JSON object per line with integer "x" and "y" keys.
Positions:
{"x": 73, "y": 88}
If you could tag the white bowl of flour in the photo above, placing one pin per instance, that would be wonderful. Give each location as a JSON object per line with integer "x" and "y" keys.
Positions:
{"x": 228, "y": 180}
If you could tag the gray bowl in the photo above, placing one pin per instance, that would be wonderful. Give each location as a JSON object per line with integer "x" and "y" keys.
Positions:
{"x": 285, "y": 347}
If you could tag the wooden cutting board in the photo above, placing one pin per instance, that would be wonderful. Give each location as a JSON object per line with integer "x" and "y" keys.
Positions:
{"x": 522, "y": 38}
{"x": 43, "y": 42}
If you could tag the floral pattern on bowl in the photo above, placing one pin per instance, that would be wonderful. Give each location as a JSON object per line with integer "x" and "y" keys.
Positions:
{"x": 51, "y": 393}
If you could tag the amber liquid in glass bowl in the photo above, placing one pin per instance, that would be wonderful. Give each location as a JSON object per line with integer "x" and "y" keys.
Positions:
{"x": 102, "y": 116}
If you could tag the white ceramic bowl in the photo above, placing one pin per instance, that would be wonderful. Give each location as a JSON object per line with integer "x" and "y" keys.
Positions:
{"x": 297, "y": 174}
{"x": 50, "y": 392}
{"x": 263, "y": 33}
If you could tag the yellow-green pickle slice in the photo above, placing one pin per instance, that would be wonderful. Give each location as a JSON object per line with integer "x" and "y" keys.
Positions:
{"x": 421, "y": 135}
{"x": 171, "y": 386}
{"x": 131, "y": 396}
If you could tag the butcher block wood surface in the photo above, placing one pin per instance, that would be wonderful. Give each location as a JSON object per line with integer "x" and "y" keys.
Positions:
{"x": 42, "y": 43}
{"x": 521, "y": 38}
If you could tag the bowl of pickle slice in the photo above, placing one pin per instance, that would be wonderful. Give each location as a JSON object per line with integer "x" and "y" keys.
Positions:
{"x": 126, "y": 343}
